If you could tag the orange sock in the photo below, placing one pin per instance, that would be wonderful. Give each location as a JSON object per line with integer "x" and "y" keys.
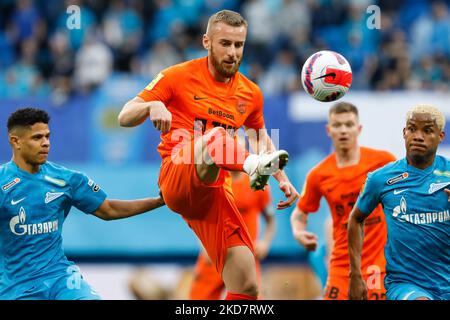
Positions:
{"x": 239, "y": 296}
{"x": 225, "y": 151}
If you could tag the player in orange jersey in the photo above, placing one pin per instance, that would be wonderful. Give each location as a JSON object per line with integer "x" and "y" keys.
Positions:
{"x": 198, "y": 105}
{"x": 339, "y": 178}
{"x": 207, "y": 283}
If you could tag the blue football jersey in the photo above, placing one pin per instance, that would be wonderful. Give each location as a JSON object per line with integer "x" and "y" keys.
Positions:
{"x": 418, "y": 222}
{"x": 33, "y": 208}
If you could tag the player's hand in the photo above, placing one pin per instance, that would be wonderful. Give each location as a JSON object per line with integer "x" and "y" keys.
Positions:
{"x": 261, "y": 249}
{"x": 447, "y": 191}
{"x": 357, "y": 289}
{"x": 161, "y": 117}
{"x": 289, "y": 192}
{"x": 306, "y": 239}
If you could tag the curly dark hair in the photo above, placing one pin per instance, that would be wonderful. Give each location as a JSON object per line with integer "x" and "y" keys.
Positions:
{"x": 27, "y": 117}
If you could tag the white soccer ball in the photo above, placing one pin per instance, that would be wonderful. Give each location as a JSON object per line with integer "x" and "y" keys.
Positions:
{"x": 326, "y": 76}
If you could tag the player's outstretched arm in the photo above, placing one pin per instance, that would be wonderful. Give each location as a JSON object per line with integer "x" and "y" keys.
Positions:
{"x": 357, "y": 287}
{"x": 299, "y": 220}
{"x": 135, "y": 111}
{"x": 119, "y": 209}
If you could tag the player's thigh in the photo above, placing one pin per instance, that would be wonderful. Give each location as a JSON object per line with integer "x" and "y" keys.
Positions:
{"x": 239, "y": 271}
{"x": 406, "y": 291}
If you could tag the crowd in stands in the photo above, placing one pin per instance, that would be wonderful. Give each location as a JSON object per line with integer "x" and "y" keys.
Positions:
{"x": 40, "y": 56}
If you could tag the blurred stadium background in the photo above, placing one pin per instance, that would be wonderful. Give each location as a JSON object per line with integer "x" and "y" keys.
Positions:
{"x": 82, "y": 77}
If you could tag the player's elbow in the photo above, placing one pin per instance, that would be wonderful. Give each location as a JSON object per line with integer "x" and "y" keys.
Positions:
{"x": 122, "y": 119}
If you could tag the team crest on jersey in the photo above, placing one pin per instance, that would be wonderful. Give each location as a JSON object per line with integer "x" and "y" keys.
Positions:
{"x": 241, "y": 106}
{"x": 398, "y": 178}
{"x": 158, "y": 77}
{"x": 50, "y": 196}
{"x": 11, "y": 184}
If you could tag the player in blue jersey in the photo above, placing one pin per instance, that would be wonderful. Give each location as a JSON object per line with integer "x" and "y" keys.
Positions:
{"x": 415, "y": 199}
{"x": 35, "y": 198}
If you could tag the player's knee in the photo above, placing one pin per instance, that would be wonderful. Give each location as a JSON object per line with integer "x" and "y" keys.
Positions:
{"x": 250, "y": 288}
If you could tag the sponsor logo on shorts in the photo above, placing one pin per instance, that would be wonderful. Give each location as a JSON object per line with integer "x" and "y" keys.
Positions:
{"x": 11, "y": 184}
{"x": 398, "y": 178}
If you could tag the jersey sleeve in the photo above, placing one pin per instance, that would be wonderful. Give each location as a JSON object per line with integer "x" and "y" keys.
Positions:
{"x": 370, "y": 195}
{"x": 255, "y": 120}
{"x": 311, "y": 195}
{"x": 86, "y": 194}
{"x": 161, "y": 88}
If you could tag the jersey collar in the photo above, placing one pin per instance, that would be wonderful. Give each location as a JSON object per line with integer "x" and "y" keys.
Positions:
{"x": 14, "y": 168}
{"x": 425, "y": 171}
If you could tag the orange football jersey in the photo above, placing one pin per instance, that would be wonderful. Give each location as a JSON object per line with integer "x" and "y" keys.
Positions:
{"x": 341, "y": 187}
{"x": 198, "y": 102}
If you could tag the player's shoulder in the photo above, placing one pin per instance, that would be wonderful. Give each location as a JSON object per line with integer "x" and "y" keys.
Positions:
{"x": 246, "y": 83}
{"x": 390, "y": 172}
{"x": 325, "y": 167}
{"x": 384, "y": 154}
{"x": 184, "y": 68}
{"x": 442, "y": 163}
{"x": 5, "y": 173}
{"x": 59, "y": 171}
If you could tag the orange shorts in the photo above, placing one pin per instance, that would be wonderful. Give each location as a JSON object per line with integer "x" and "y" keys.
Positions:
{"x": 208, "y": 209}
{"x": 337, "y": 288}
{"x": 207, "y": 283}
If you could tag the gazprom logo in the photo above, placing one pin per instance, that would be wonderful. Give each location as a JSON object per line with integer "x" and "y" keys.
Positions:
{"x": 20, "y": 228}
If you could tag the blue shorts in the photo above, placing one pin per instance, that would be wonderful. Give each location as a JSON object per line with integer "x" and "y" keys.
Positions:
{"x": 69, "y": 286}
{"x": 408, "y": 291}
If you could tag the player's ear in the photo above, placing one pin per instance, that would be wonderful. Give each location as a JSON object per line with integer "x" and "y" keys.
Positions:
{"x": 206, "y": 42}
{"x": 404, "y": 133}
{"x": 14, "y": 141}
{"x": 441, "y": 136}
{"x": 327, "y": 128}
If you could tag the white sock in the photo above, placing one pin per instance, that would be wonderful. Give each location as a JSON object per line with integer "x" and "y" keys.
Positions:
{"x": 250, "y": 163}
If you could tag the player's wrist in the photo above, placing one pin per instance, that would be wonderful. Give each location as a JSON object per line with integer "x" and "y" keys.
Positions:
{"x": 355, "y": 274}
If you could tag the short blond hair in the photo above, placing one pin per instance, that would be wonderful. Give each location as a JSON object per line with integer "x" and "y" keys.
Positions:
{"x": 228, "y": 17}
{"x": 434, "y": 112}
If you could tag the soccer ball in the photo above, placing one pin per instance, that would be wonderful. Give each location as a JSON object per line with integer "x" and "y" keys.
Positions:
{"x": 326, "y": 76}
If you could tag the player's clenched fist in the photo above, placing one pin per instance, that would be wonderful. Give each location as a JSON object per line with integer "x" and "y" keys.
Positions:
{"x": 161, "y": 117}
{"x": 357, "y": 288}
{"x": 306, "y": 239}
